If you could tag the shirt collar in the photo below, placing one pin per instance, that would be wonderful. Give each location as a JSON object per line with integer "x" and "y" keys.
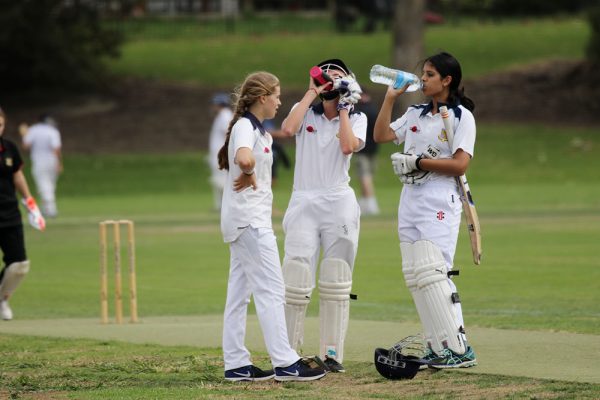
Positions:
{"x": 256, "y": 124}
{"x": 426, "y": 108}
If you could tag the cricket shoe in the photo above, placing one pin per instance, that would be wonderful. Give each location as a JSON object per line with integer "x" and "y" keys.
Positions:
{"x": 248, "y": 373}
{"x": 5, "y": 311}
{"x": 427, "y": 358}
{"x": 449, "y": 359}
{"x": 305, "y": 369}
{"x": 333, "y": 365}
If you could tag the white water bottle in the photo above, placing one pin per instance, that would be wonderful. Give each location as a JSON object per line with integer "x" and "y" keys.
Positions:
{"x": 396, "y": 78}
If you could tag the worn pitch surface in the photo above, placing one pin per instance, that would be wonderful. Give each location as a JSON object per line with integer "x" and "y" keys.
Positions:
{"x": 535, "y": 354}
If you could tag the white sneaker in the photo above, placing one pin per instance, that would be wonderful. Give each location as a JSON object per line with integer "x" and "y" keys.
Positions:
{"x": 5, "y": 311}
{"x": 373, "y": 206}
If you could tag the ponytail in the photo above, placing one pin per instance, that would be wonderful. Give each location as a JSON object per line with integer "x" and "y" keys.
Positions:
{"x": 255, "y": 85}
{"x": 223, "y": 156}
{"x": 458, "y": 96}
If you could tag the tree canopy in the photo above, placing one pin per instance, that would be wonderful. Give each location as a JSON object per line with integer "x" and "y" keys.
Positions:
{"x": 53, "y": 44}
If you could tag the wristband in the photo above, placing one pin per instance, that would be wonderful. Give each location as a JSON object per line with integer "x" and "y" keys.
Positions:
{"x": 315, "y": 90}
{"x": 249, "y": 173}
{"x": 418, "y": 162}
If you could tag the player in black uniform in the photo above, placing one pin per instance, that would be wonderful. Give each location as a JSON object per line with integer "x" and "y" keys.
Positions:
{"x": 12, "y": 241}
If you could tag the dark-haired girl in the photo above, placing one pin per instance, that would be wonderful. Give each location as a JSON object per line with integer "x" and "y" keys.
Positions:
{"x": 430, "y": 208}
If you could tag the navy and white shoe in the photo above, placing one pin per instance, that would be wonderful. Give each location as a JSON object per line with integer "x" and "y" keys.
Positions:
{"x": 302, "y": 370}
{"x": 248, "y": 373}
{"x": 333, "y": 365}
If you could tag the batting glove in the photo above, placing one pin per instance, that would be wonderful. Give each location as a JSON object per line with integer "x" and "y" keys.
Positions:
{"x": 404, "y": 163}
{"x": 344, "y": 105}
{"x": 36, "y": 220}
{"x": 415, "y": 178}
{"x": 349, "y": 89}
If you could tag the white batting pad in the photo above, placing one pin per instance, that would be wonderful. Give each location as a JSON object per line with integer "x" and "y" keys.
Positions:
{"x": 335, "y": 283}
{"x": 433, "y": 283}
{"x": 13, "y": 275}
{"x": 408, "y": 269}
{"x": 298, "y": 287}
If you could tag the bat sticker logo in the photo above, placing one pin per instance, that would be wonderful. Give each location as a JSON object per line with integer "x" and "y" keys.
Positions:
{"x": 443, "y": 136}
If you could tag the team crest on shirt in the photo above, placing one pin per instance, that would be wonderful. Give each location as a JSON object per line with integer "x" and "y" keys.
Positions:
{"x": 414, "y": 129}
{"x": 9, "y": 162}
{"x": 311, "y": 129}
{"x": 443, "y": 136}
{"x": 337, "y": 135}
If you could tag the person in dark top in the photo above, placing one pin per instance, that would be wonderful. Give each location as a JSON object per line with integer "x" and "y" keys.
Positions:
{"x": 366, "y": 159}
{"x": 12, "y": 242}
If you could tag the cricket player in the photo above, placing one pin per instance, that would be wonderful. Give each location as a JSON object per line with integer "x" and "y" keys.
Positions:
{"x": 323, "y": 213}
{"x": 12, "y": 240}
{"x": 430, "y": 208}
{"x": 255, "y": 268}
{"x": 223, "y": 114}
{"x": 44, "y": 143}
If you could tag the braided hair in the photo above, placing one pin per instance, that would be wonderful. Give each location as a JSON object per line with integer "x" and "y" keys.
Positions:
{"x": 255, "y": 85}
{"x": 446, "y": 65}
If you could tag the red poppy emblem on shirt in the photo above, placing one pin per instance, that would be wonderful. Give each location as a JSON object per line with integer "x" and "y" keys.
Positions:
{"x": 440, "y": 215}
{"x": 414, "y": 128}
{"x": 310, "y": 129}
{"x": 267, "y": 150}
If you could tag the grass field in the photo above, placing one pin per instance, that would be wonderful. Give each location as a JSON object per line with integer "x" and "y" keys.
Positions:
{"x": 221, "y": 60}
{"x": 537, "y": 193}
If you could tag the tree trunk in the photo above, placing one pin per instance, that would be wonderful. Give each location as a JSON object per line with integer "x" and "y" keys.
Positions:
{"x": 408, "y": 29}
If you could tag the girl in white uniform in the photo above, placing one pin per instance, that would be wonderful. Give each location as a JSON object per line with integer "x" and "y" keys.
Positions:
{"x": 323, "y": 212}
{"x": 255, "y": 267}
{"x": 430, "y": 207}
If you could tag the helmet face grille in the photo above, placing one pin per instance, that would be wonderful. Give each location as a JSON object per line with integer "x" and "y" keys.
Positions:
{"x": 411, "y": 347}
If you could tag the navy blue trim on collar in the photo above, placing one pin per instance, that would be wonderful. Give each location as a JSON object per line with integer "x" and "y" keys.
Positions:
{"x": 320, "y": 109}
{"x": 256, "y": 124}
{"x": 425, "y": 108}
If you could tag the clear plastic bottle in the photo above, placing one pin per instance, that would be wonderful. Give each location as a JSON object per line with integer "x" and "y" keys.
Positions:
{"x": 396, "y": 78}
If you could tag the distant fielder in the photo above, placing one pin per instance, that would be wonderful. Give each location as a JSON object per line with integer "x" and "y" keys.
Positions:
{"x": 221, "y": 108}
{"x": 43, "y": 141}
{"x": 430, "y": 205}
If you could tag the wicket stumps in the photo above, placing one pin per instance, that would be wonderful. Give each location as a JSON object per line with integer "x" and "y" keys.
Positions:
{"x": 116, "y": 225}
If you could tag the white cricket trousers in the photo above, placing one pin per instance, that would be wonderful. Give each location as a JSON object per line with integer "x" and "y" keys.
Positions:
{"x": 256, "y": 270}
{"x": 46, "y": 175}
{"x": 432, "y": 212}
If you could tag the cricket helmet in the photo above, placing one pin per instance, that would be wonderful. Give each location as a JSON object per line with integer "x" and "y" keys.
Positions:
{"x": 392, "y": 365}
{"x": 333, "y": 64}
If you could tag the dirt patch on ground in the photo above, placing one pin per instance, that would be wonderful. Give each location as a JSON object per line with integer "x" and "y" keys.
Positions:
{"x": 155, "y": 117}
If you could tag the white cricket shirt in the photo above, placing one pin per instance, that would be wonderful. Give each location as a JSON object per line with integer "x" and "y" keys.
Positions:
{"x": 44, "y": 140}
{"x": 248, "y": 207}
{"x": 320, "y": 163}
{"x": 418, "y": 129}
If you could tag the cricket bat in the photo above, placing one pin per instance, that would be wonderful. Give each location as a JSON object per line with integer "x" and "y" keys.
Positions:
{"x": 465, "y": 195}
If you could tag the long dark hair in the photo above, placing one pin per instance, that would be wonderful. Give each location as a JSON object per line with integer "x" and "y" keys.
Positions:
{"x": 446, "y": 65}
{"x": 255, "y": 85}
